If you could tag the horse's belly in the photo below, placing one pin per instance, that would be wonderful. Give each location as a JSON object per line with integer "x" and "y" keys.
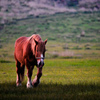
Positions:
{"x": 19, "y": 56}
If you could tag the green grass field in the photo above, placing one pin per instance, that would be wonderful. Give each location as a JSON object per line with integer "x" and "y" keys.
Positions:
{"x": 64, "y": 79}
{"x": 72, "y": 64}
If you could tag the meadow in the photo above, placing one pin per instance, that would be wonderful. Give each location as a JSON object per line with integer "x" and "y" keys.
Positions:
{"x": 72, "y": 64}
{"x": 63, "y": 79}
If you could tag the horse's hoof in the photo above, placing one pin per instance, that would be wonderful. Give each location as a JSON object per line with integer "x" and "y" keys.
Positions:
{"x": 35, "y": 84}
{"x": 29, "y": 85}
{"x": 18, "y": 84}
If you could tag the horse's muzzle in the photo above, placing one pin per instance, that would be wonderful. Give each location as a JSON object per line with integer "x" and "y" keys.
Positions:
{"x": 40, "y": 64}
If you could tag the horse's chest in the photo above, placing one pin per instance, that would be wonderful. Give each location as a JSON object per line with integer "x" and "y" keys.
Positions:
{"x": 32, "y": 60}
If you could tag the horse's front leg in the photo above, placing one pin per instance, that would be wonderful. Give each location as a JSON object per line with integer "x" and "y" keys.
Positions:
{"x": 36, "y": 81}
{"x": 29, "y": 75}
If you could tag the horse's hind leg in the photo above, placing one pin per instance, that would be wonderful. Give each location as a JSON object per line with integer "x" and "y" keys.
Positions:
{"x": 18, "y": 81}
{"x": 22, "y": 72}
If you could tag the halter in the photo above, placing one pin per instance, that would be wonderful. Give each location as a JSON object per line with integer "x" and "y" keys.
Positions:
{"x": 40, "y": 57}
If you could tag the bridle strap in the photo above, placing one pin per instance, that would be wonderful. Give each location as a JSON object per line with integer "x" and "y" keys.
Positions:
{"x": 40, "y": 57}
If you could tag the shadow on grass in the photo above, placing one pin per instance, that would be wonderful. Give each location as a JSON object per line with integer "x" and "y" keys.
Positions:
{"x": 50, "y": 91}
{"x": 5, "y": 61}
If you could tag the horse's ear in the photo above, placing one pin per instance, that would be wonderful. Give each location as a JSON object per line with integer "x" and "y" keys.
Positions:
{"x": 30, "y": 38}
{"x": 45, "y": 41}
{"x": 36, "y": 42}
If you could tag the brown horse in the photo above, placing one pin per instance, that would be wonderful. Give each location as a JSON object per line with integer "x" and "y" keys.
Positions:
{"x": 29, "y": 51}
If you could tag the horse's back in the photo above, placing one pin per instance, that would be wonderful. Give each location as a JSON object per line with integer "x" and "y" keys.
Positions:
{"x": 20, "y": 41}
{"x": 19, "y": 45}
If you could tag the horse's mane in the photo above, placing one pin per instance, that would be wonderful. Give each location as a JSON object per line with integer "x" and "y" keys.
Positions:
{"x": 31, "y": 40}
{"x": 36, "y": 37}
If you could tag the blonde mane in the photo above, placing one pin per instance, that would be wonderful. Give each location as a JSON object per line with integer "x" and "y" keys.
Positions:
{"x": 37, "y": 37}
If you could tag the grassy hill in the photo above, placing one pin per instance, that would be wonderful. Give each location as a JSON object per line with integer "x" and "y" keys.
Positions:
{"x": 62, "y": 27}
{"x": 68, "y": 34}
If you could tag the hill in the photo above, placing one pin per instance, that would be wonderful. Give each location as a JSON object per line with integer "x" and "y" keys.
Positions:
{"x": 18, "y": 9}
{"x": 68, "y": 34}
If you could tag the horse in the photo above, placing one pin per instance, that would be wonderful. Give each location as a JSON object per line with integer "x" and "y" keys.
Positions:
{"x": 29, "y": 52}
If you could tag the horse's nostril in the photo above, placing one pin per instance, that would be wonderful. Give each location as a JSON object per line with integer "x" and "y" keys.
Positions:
{"x": 41, "y": 63}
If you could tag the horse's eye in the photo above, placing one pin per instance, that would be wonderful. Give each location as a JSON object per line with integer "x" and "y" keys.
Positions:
{"x": 37, "y": 50}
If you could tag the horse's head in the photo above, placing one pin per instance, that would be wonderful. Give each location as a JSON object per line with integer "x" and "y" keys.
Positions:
{"x": 40, "y": 52}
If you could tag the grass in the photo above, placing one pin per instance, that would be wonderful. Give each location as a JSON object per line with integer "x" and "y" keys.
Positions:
{"x": 52, "y": 91}
{"x": 73, "y": 75}
{"x": 60, "y": 29}
{"x": 64, "y": 27}
{"x": 71, "y": 79}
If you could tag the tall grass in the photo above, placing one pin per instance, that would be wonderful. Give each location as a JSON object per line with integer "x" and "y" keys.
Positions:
{"x": 51, "y": 91}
